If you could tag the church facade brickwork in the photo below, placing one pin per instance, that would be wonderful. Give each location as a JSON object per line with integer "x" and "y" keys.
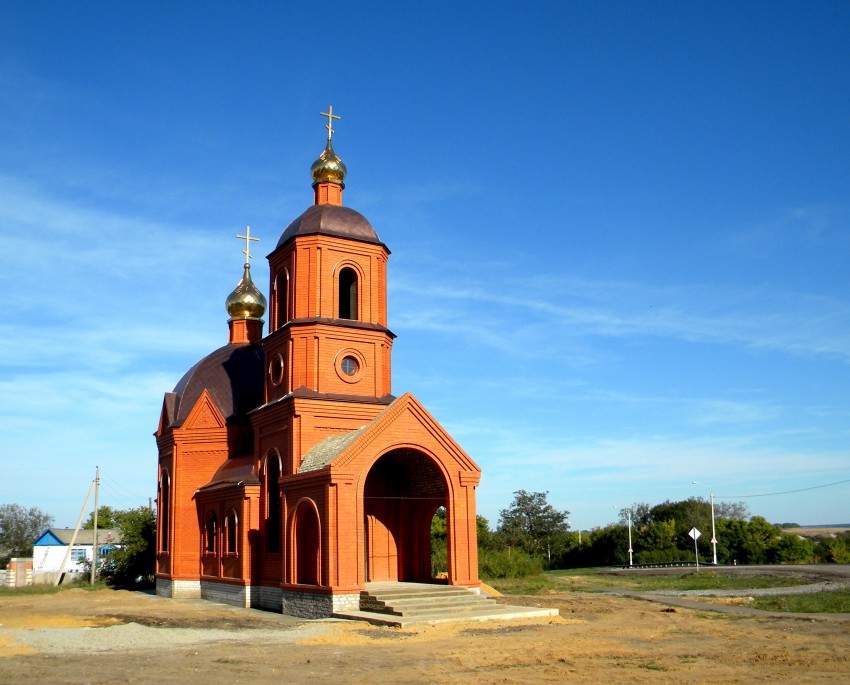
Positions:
{"x": 289, "y": 476}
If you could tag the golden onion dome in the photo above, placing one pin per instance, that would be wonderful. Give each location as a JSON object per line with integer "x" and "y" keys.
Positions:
{"x": 246, "y": 301}
{"x": 328, "y": 168}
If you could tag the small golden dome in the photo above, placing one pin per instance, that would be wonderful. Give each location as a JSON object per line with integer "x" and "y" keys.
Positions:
{"x": 246, "y": 301}
{"x": 328, "y": 168}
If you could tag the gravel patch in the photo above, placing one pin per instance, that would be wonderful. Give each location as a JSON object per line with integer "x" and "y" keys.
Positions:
{"x": 136, "y": 637}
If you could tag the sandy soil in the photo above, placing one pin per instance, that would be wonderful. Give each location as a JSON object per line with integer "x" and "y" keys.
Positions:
{"x": 122, "y": 637}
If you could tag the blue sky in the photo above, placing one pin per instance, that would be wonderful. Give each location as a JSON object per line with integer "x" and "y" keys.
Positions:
{"x": 619, "y": 232}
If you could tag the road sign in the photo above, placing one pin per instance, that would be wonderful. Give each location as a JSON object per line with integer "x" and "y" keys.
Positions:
{"x": 694, "y": 533}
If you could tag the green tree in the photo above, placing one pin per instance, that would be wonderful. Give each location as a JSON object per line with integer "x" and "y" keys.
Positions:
{"x": 107, "y": 517}
{"x": 606, "y": 546}
{"x": 656, "y": 543}
{"x": 746, "y": 542}
{"x": 136, "y": 558}
{"x": 439, "y": 554}
{"x": 834, "y": 550}
{"x": 731, "y": 510}
{"x": 19, "y": 528}
{"x": 439, "y": 536}
{"x": 531, "y": 523}
{"x": 792, "y": 549}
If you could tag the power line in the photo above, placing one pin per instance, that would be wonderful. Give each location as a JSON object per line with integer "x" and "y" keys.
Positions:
{"x": 786, "y": 492}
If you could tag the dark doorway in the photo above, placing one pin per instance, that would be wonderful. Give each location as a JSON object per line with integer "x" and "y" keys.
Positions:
{"x": 403, "y": 490}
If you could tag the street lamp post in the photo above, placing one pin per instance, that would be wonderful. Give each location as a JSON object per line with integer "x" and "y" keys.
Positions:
{"x": 713, "y": 534}
{"x": 629, "y": 519}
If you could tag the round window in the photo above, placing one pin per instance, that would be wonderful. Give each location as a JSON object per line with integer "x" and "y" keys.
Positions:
{"x": 276, "y": 369}
{"x": 349, "y": 366}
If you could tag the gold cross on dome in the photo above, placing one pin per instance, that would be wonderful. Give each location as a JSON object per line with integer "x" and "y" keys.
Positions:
{"x": 331, "y": 116}
{"x": 247, "y": 238}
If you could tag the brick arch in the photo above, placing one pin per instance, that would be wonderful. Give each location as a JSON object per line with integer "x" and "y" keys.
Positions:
{"x": 401, "y": 491}
{"x": 271, "y": 502}
{"x": 164, "y": 508}
{"x": 357, "y": 307}
{"x": 306, "y": 544}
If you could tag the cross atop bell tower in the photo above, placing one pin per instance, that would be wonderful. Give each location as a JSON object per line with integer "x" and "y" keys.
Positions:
{"x": 331, "y": 116}
{"x": 329, "y": 170}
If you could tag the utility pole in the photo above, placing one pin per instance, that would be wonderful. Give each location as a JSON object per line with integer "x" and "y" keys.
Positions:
{"x": 713, "y": 534}
{"x": 61, "y": 574}
{"x": 94, "y": 542}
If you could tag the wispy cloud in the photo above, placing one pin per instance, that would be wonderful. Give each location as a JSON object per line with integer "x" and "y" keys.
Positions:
{"x": 812, "y": 225}
{"x": 569, "y": 308}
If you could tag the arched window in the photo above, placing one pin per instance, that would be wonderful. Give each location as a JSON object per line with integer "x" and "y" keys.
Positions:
{"x": 209, "y": 533}
{"x": 231, "y": 531}
{"x": 281, "y": 298}
{"x": 272, "y": 503}
{"x": 347, "y": 293}
{"x": 164, "y": 502}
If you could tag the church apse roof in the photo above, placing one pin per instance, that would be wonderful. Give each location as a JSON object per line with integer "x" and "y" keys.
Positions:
{"x": 233, "y": 378}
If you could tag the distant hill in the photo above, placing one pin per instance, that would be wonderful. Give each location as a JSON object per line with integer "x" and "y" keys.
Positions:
{"x": 820, "y": 531}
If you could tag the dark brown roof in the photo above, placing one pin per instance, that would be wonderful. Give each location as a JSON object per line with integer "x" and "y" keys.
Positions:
{"x": 303, "y": 393}
{"x": 236, "y": 471}
{"x": 232, "y": 375}
{"x": 331, "y": 220}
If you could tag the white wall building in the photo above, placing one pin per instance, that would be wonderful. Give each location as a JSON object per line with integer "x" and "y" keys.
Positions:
{"x": 49, "y": 549}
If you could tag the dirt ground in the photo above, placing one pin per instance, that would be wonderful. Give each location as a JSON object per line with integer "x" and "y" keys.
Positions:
{"x": 122, "y": 637}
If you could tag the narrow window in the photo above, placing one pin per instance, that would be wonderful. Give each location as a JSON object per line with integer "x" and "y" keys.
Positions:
{"x": 230, "y": 524}
{"x": 164, "y": 512}
{"x": 273, "y": 504}
{"x": 347, "y": 293}
{"x": 281, "y": 298}
{"x": 210, "y": 533}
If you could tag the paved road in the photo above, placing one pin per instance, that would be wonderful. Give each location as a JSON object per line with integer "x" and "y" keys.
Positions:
{"x": 825, "y": 577}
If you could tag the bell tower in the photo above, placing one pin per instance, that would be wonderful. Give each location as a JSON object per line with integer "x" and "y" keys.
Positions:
{"x": 328, "y": 338}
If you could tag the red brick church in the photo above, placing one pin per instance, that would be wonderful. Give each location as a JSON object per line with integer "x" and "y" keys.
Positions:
{"x": 289, "y": 475}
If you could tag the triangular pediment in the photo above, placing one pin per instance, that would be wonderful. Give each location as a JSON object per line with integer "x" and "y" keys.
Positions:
{"x": 204, "y": 414}
{"x": 166, "y": 415}
{"x": 404, "y": 424}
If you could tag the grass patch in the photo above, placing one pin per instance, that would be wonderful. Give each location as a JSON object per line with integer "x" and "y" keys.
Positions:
{"x": 47, "y": 589}
{"x": 835, "y": 602}
{"x": 530, "y": 585}
{"x": 585, "y": 580}
{"x": 690, "y": 580}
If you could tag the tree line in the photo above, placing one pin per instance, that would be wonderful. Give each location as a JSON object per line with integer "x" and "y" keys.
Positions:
{"x": 532, "y": 536}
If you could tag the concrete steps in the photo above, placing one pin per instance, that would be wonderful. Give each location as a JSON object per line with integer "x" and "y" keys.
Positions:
{"x": 401, "y": 604}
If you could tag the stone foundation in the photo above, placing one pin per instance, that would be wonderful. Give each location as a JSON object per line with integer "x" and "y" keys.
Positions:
{"x": 268, "y": 598}
{"x": 178, "y": 589}
{"x": 226, "y": 593}
{"x": 317, "y": 604}
{"x": 295, "y": 603}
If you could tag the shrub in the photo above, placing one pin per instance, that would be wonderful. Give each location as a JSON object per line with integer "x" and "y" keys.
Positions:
{"x": 507, "y": 563}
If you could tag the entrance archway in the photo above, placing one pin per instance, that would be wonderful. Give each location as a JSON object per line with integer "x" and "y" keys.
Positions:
{"x": 306, "y": 545}
{"x": 403, "y": 489}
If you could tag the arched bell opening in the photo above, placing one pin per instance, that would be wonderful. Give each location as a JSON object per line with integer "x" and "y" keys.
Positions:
{"x": 403, "y": 490}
